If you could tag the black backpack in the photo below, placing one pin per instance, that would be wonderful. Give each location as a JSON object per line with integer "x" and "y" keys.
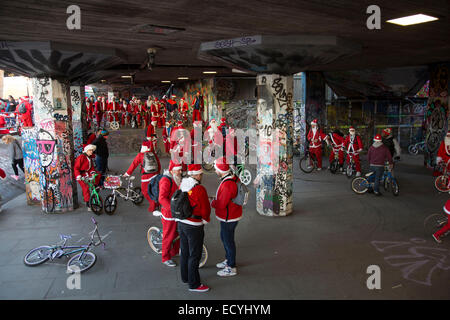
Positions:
{"x": 153, "y": 186}
{"x": 150, "y": 165}
{"x": 181, "y": 207}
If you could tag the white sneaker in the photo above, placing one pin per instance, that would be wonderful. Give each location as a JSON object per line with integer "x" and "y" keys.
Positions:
{"x": 227, "y": 272}
{"x": 358, "y": 174}
{"x": 318, "y": 169}
{"x": 15, "y": 177}
{"x": 170, "y": 263}
{"x": 157, "y": 213}
{"x": 222, "y": 264}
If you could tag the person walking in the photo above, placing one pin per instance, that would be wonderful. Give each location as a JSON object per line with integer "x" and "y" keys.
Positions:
{"x": 102, "y": 152}
{"x": 150, "y": 167}
{"x": 167, "y": 186}
{"x": 15, "y": 155}
{"x": 228, "y": 213}
{"x": 377, "y": 156}
{"x": 191, "y": 230}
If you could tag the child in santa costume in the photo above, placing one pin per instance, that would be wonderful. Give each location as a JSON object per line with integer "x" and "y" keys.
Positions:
{"x": 147, "y": 146}
{"x": 191, "y": 230}
{"x": 337, "y": 140}
{"x": 353, "y": 145}
{"x": 443, "y": 155}
{"x": 167, "y": 187}
{"x": 315, "y": 137}
{"x": 84, "y": 167}
{"x": 446, "y": 227}
{"x": 228, "y": 213}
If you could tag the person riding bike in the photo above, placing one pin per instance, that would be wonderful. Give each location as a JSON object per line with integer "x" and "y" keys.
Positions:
{"x": 353, "y": 145}
{"x": 337, "y": 139}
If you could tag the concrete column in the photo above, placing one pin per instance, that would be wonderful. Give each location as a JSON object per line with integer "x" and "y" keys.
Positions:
{"x": 79, "y": 118}
{"x": 315, "y": 97}
{"x": 275, "y": 145}
{"x": 437, "y": 114}
{"x": 54, "y": 145}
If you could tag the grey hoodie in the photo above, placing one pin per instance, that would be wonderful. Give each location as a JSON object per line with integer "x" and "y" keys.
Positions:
{"x": 15, "y": 151}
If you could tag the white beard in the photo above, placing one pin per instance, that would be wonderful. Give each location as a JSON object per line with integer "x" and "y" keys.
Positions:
{"x": 314, "y": 130}
{"x": 447, "y": 142}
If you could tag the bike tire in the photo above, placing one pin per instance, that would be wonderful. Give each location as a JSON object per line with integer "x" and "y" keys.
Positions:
{"x": 433, "y": 223}
{"x": 305, "y": 164}
{"x": 87, "y": 261}
{"x": 110, "y": 204}
{"x": 441, "y": 183}
{"x": 246, "y": 177}
{"x": 154, "y": 238}
{"x": 360, "y": 185}
{"x": 204, "y": 257}
{"x": 386, "y": 184}
{"x": 395, "y": 187}
{"x": 42, "y": 258}
{"x": 96, "y": 204}
{"x": 139, "y": 196}
{"x": 114, "y": 125}
{"x": 413, "y": 150}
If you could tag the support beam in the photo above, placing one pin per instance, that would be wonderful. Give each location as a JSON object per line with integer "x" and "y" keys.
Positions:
{"x": 275, "y": 146}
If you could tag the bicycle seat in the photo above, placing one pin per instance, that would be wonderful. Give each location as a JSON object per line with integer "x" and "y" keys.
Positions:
{"x": 65, "y": 237}
{"x": 369, "y": 174}
{"x": 132, "y": 177}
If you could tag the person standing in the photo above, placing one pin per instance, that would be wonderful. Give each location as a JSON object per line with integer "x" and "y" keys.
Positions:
{"x": 15, "y": 155}
{"x": 102, "y": 153}
{"x": 84, "y": 167}
{"x": 197, "y": 107}
{"x": 191, "y": 230}
{"x": 353, "y": 145}
{"x": 391, "y": 143}
{"x": 228, "y": 213}
{"x": 377, "y": 156}
{"x": 150, "y": 167}
{"x": 167, "y": 186}
{"x": 315, "y": 138}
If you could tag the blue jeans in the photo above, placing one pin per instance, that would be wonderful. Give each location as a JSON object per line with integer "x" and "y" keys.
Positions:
{"x": 102, "y": 165}
{"x": 378, "y": 174}
{"x": 227, "y": 237}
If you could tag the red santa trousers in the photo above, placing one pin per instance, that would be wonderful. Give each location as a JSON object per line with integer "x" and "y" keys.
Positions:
{"x": 169, "y": 248}
{"x": 318, "y": 153}
{"x": 340, "y": 156}
{"x": 444, "y": 229}
{"x": 356, "y": 160}
{"x": 196, "y": 115}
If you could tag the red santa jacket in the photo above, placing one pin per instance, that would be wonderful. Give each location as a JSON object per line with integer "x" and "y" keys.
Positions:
{"x": 84, "y": 165}
{"x": 167, "y": 188}
{"x": 97, "y": 107}
{"x": 26, "y": 117}
{"x": 113, "y": 106}
{"x": 444, "y": 152}
{"x": 139, "y": 160}
{"x": 198, "y": 197}
{"x": 89, "y": 108}
{"x": 352, "y": 145}
{"x": 336, "y": 141}
{"x": 227, "y": 210}
{"x": 315, "y": 139}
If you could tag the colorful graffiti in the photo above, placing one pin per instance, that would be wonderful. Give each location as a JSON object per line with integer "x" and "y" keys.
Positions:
{"x": 31, "y": 165}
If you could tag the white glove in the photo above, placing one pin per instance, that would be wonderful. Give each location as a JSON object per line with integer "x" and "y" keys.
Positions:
{"x": 126, "y": 174}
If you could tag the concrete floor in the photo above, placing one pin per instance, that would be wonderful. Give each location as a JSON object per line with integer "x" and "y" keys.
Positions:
{"x": 321, "y": 251}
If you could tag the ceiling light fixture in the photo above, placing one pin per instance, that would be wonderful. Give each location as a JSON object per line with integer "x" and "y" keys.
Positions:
{"x": 183, "y": 78}
{"x": 126, "y": 76}
{"x": 209, "y": 72}
{"x": 414, "y": 19}
{"x": 165, "y": 81}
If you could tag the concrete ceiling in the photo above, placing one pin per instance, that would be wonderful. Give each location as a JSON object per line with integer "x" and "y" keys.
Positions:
{"x": 114, "y": 25}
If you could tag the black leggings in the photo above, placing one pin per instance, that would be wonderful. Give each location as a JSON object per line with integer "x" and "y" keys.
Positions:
{"x": 14, "y": 166}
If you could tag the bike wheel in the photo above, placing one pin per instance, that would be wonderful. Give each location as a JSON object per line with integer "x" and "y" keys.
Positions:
{"x": 441, "y": 183}
{"x": 81, "y": 262}
{"x": 204, "y": 257}
{"x": 386, "y": 184}
{"x": 114, "y": 125}
{"x": 349, "y": 171}
{"x": 360, "y": 185}
{"x": 137, "y": 197}
{"x": 37, "y": 256}
{"x": 154, "y": 238}
{"x": 433, "y": 223}
{"x": 394, "y": 187}
{"x": 305, "y": 164}
{"x": 334, "y": 166}
{"x": 96, "y": 204}
{"x": 110, "y": 204}
{"x": 245, "y": 176}
{"x": 413, "y": 150}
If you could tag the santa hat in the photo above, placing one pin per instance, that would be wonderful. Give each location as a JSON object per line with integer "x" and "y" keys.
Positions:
{"x": 89, "y": 147}
{"x": 351, "y": 128}
{"x": 314, "y": 122}
{"x": 213, "y": 120}
{"x": 377, "y": 138}
{"x": 146, "y": 146}
{"x": 221, "y": 165}
{"x": 174, "y": 166}
{"x": 447, "y": 207}
{"x": 209, "y": 128}
{"x": 387, "y": 131}
{"x": 180, "y": 123}
{"x": 194, "y": 169}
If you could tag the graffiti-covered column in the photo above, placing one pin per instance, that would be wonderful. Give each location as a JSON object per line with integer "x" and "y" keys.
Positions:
{"x": 79, "y": 118}
{"x": 437, "y": 114}
{"x": 275, "y": 145}
{"x": 54, "y": 144}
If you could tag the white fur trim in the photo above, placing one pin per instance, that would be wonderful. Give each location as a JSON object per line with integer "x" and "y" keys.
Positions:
{"x": 221, "y": 171}
{"x": 446, "y": 211}
{"x": 89, "y": 147}
{"x": 193, "y": 173}
{"x": 187, "y": 184}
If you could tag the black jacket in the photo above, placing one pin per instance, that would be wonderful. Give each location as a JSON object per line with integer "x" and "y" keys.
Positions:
{"x": 102, "y": 147}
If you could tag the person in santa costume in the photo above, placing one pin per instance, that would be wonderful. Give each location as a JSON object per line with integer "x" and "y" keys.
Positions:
{"x": 315, "y": 137}
{"x": 353, "y": 146}
{"x": 147, "y": 146}
{"x": 98, "y": 111}
{"x": 443, "y": 154}
{"x": 228, "y": 213}
{"x": 377, "y": 156}
{"x": 197, "y": 107}
{"x": 172, "y": 106}
{"x": 90, "y": 108}
{"x": 25, "y": 118}
{"x": 184, "y": 107}
{"x": 438, "y": 234}
{"x": 179, "y": 144}
{"x": 191, "y": 230}
{"x": 84, "y": 167}
{"x": 166, "y": 136}
{"x": 337, "y": 140}
{"x": 114, "y": 108}
{"x": 151, "y": 129}
{"x": 139, "y": 111}
{"x": 391, "y": 143}
{"x": 167, "y": 187}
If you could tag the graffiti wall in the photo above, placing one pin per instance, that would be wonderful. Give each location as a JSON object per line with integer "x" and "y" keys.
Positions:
{"x": 54, "y": 144}
{"x": 275, "y": 128}
{"x": 437, "y": 111}
{"x": 31, "y": 165}
{"x": 207, "y": 91}
{"x": 78, "y": 118}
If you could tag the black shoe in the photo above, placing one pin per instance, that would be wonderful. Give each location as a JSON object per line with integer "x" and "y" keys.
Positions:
{"x": 377, "y": 193}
